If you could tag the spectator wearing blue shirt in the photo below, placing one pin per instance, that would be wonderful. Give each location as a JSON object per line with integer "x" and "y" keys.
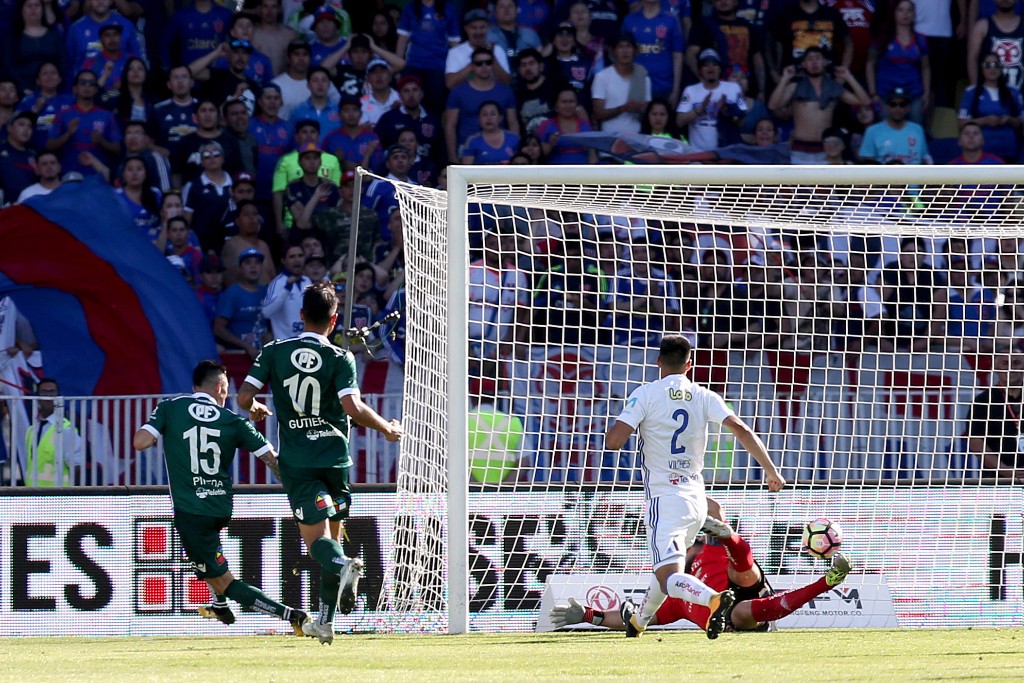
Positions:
{"x": 461, "y": 116}
{"x": 508, "y": 33}
{"x": 660, "y": 47}
{"x": 175, "y": 117}
{"x": 319, "y": 107}
{"x": 380, "y": 195}
{"x": 84, "y": 133}
{"x": 45, "y": 102}
{"x": 17, "y": 158}
{"x": 274, "y": 137}
{"x": 239, "y": 323}
{"x": 411, "y": 114}
{"x": 327, "y": 28}
{"x": 195, "y": 31}
{"x": 355, "y": 144}
{"x": 109, "y": 61}
{"x": 566, "y": 121}
{"x": 259, "y": 69}
{"x": 426, "y": 29}
{"x": 139, "y": 199}
{"x": 211, "y": 285}
{"x": 999, "y": 116}
{"x": 493, "y": 144}
{"x": 83, "y": 37}
{"x": 896, "y": 139}
{"x": 972, "y": 147}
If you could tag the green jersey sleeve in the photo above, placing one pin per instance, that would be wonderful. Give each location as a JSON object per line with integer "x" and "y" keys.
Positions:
{"x": 251, "y": 440}
{"x": 157, "y": 422}
{"x": 345, "y": 375}
{"x": 259, "y": 373}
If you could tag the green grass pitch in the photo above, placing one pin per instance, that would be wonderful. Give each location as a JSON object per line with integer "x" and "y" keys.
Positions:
{"x": 791, "y": 656}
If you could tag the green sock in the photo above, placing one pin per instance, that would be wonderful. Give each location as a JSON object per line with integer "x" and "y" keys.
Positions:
{"x": 329, "y": 554}
{"x": 329, "y": 585}
{"x": 249, "y": 596}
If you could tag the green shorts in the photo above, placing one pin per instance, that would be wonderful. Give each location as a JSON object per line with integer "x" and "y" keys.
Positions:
{"x": 317, "y": 493}
{"x": 200, "y": 537}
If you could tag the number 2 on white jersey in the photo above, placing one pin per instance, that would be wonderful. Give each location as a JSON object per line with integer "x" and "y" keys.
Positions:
{"x": 684, "y": 417}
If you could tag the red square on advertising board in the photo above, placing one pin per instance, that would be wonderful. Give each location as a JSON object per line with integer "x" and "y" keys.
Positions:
{"x": 155, "y": 591}
{"x": 197, "y": 592}
{"x": 155, "y": 540}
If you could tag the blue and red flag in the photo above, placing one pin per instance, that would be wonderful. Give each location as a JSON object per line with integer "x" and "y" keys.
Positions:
{"x": 112, "y": 316}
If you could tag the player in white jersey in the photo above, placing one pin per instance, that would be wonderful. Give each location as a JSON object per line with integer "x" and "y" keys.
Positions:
{"x": 672, "y": 415}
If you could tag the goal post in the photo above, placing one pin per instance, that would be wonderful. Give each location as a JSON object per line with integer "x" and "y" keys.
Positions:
{"x": 520, "y": 354}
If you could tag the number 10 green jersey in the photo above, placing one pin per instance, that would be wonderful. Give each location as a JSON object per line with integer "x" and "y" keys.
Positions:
{"x": 308, "y": 376}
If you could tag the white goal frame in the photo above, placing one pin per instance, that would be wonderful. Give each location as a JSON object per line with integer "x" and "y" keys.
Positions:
{"x": 461, "y": 178}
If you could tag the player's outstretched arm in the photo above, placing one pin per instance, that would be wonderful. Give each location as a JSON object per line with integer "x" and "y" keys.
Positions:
{"x": 367, "y": 417}
{"x": 247, "y": 401}
{"x": 617, "y": 435}
{"x": 143, "y": 439}
{"x": 752, "y": 442}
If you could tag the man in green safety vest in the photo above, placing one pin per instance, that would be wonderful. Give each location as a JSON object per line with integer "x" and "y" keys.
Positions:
{"x": 53, "y": 449}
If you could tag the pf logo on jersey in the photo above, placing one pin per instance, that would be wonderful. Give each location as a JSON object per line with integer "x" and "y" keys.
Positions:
{"x": 204, "y": 412}
{"x": 306, "y": 360}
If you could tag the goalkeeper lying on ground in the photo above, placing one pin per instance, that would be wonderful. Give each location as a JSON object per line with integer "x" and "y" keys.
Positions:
{"x": 723, "y": 561}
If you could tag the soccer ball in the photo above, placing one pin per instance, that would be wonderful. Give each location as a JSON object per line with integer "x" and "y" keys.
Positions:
{"x": 821, "y": 538}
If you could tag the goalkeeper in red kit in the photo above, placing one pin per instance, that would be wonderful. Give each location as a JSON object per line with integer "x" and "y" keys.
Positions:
{"x": 724, "y": 560}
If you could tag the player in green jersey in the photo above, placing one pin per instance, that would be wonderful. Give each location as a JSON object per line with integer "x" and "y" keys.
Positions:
{"x": 313, "y": 384}
{"x": 200, "y": 439}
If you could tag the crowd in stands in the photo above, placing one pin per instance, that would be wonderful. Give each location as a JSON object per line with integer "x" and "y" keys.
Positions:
{"x": 231, "y": 138}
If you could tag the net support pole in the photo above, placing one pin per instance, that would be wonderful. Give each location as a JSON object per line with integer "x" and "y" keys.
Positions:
{"x": 458, "y": 405}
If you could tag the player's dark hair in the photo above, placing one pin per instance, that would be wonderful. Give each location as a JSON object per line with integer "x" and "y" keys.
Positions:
{"x": 675, "y": 350}
{"x": 207, "y": 371}
{"x": 319, "y": 303}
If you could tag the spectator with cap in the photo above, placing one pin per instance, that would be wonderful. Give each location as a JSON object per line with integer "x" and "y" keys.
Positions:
{"x": 294, "y": 82}
{"x": 380, "y": 97}
{"x": 711, "y": 109}
{"x": 236, "y": 117}
{"x": 312, "y": 192}
{"x": 48, "y": 171}
{"x": 85, "y": 132}
{"x": 248, "y": 222}
{"x": 509, "y": 34}
{"x": 189, "y": 162}
{"x": 109, "y": 61}
{"x": 259, "y": 68}
{"x": 319, "y": 106}
{"x": 178, "y": 247}
{"x": 206, "y": 198}
{"x": 347, "y": 66}
{"x": 571, "y": 62}
{"x": 329, "y": 38}
{"x": 426, "y": 30}
{"x": 273, "y": 139}
{"x": 83, "y": 36}
{"x": 270, "y": 36}
{"x": 282, "y": 304}
{"x": 460, "y": 65}
{"x": 411, "y": 114}
{"x": 895, "y": 138}
{"x": 175, "y": 117}
{"x": 836, "y": 141}
{"x": 380, "y": 196}
{"x": 210, "y": 285}
{"x": 219, "y": 83}
{"x": 621, "y": 91}
{"x": 464, "y": 102}
{"x": 355, "y": 143}
{"x": 302, "y": 17}
{"x": 288, "y": 169}
{"x": 239, "y": 323}
{"x": 972, "y": 147}
{"x": 661, "y": 38}
{"x": 195, "y": 30}
{"x": 17, "y": 158}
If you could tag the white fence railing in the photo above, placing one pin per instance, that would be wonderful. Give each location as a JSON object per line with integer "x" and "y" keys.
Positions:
{"x": 90, "y": 438}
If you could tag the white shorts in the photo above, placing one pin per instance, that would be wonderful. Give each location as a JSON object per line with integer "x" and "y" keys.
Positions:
{"x": 672, "y": 526}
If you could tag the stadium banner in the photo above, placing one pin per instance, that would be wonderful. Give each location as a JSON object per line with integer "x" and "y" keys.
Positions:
{"x": 95, "y": 565}
{"x": 860, "y": 602}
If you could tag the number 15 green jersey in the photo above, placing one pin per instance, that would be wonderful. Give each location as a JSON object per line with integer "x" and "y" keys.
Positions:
{"x": 308, "y": 376}
{"x": 200, "y": 439}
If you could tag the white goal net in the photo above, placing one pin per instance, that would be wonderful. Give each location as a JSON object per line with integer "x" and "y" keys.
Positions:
{"x": 866, "y": 321}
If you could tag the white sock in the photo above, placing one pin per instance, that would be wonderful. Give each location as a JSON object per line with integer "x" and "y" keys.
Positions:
{"x": 652, "y": 601}
{"x": 689, "y": 588}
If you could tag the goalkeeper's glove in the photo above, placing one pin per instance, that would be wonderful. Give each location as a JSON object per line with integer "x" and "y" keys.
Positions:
{"x": 565, "y": 615}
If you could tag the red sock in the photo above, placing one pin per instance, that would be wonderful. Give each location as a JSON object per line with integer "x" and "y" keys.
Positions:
{"x": 784, "y": 604}
{"x": 741, "y": 557}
